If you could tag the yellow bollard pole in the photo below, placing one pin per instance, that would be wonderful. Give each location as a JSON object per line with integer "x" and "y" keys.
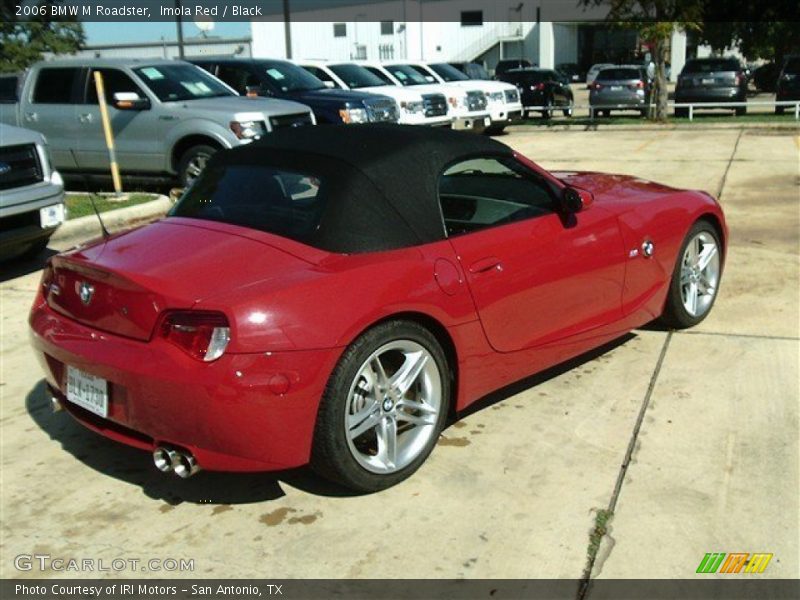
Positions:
{"x": 112, "y": 155}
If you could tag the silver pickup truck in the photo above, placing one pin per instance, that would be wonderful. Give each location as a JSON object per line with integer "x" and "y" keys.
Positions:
{"x": 168, "y": 116}
{"x": 31, "y": 193}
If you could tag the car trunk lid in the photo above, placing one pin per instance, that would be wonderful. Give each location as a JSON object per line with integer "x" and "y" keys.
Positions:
{"x": 123, "y": 284}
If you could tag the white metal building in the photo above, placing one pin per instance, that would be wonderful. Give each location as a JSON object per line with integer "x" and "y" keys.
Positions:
{"x": 506, "y": 29}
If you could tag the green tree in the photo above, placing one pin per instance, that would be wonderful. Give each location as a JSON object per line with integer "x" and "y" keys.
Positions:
{"x": 767, "y": 30}
{"x": 655, "y": 21}
{"x": 24, "y": 42}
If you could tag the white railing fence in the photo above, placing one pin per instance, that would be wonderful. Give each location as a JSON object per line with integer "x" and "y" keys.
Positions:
{"x": 793, "y": 105}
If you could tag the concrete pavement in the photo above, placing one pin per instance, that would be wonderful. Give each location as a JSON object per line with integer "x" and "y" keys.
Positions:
{"x": 512, "y": 490}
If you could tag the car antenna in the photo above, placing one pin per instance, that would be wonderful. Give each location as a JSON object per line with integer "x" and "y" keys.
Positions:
{"x": 99, "y": 218}
{"x": 87, "y": 186}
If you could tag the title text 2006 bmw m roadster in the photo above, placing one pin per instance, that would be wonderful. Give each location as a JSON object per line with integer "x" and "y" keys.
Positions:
{"x": 330, "y": 295}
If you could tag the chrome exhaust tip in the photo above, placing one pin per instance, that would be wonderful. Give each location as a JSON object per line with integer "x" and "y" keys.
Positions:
{"x": 185, "y": 465}
{"x": 55, "y": 403}
{"x": 164, "y": 459}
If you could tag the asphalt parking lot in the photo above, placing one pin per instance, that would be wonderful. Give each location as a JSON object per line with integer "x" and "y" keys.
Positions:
{"x": 514, "y": 488}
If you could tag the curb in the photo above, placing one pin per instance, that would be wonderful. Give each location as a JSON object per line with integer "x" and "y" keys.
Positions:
{"x": 88, "y": 227}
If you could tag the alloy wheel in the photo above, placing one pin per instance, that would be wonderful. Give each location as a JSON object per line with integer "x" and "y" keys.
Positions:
{"x": 699, "y": 274}
{"x": 393, "y": 406}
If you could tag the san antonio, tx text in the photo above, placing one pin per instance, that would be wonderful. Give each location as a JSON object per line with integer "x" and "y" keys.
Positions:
{"x": 145, "y": 590}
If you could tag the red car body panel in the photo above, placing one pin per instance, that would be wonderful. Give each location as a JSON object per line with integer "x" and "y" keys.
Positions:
{"x": 564, "y": 286}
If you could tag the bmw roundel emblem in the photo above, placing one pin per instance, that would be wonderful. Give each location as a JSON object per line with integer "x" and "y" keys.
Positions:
{"x": 85, "y": 291}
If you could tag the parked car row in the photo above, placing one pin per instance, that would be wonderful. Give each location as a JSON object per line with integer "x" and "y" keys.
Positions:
{"x": 473, "y": 103}
{"x": 169, "y": 116}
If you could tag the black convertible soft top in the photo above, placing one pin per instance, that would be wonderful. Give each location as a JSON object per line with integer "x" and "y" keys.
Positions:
{"x": 382, "y": 190}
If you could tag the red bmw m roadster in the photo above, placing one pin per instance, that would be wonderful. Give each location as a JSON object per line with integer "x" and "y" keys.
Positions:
{"x": 330, "y": 295}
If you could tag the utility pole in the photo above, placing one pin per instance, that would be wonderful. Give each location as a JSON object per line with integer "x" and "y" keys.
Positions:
{"x": 287, "y": 28}
{"x": 179, "y": 22}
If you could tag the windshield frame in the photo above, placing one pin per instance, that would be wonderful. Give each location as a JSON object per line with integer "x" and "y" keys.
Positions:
{"x": 410, "y": 72}
{"x": 263, "y": 67}
{"x": 340, "y": 68}
{"x": 170, "y": 71}
{"x": 448, "y": 72}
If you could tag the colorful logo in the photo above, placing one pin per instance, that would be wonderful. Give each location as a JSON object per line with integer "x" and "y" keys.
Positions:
{"x": 730, "y": 564}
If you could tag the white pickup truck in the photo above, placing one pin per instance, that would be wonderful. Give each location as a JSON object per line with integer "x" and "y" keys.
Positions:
{"x": 168, "y": 116}
{"x": 468, "y": 106}
{"x": 416, "y": 108}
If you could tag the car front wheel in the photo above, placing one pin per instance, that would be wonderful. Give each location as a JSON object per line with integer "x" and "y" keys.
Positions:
{"x": 383, "y": 407}
{"x": 193, "y": 161}
{"x": 696, "y": 278}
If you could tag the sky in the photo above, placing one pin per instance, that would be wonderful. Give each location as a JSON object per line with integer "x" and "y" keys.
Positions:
{"x": 108, "y": 33}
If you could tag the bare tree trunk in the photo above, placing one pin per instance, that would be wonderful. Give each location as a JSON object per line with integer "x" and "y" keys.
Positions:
{"x": 661, "y": 92}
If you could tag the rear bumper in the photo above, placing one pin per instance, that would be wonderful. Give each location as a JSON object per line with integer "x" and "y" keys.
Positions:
{"x": 787, "y": 95}
{"x": 230, "y": 413}
{"x": 618, "y": 101}
{"x": 710, "y": 95}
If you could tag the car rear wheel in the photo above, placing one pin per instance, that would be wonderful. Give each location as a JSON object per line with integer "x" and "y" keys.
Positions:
{"x": 193, "y": 162}
{"x": 682, "y": 112}
{"x": 696, "y": 278}
{"x": 741, "y": 111}
{"x": 779, "y": 110}
{"x": 383, "y": 407}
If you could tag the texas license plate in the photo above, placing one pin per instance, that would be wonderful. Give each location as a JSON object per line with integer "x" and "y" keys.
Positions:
{"x": 487, "y": 121}
{"x": 51, "y": 216}
{"x": 707, "y": 81}
{"x": 87, "y": 391}
{"x": 615, "y": 88}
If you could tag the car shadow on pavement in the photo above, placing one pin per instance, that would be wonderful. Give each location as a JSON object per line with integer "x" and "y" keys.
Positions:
{"x": 539, "y": 378}
{"x": 23, "y": 265}
{"x": 136, "y": 466}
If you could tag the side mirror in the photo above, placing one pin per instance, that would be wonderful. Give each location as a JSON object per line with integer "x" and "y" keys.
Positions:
{"x": 130, "y": 101}
{"x": 574, "y": 200}
{"x": 329, "y": 84}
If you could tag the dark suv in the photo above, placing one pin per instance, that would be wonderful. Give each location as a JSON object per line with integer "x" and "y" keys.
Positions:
{"x": 711, "y": 80}
{"x": 541, "y": 90}
{"x": 788, "y": 86}
{"x": 282, "y": 79}
{"x": 506, "y": 64}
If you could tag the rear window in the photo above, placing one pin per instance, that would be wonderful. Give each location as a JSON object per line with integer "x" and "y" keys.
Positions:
{"x": 711, "y": 65}
{"x": 55, "y": 85}
{"x": 278, "y": 201}
{"x": 531, "y": 76}
{"x": 792, "y": 65}
{"x": 618, "y": 74}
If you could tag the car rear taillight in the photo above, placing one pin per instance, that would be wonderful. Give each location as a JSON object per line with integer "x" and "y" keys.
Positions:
{"x": 738, "y": 79}
{"x": 48, "y": 274}
{"x": 204, "y": 335}
{"x": 597, "y": 86}
{"x": 640, "y": 85}
{"x": 538, "y": 86}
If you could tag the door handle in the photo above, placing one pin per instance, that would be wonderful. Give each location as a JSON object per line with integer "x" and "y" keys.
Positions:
{"x": 484, "y": 265}
{"x": 85, "y": 118}
{"x": 31, "y": 116}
